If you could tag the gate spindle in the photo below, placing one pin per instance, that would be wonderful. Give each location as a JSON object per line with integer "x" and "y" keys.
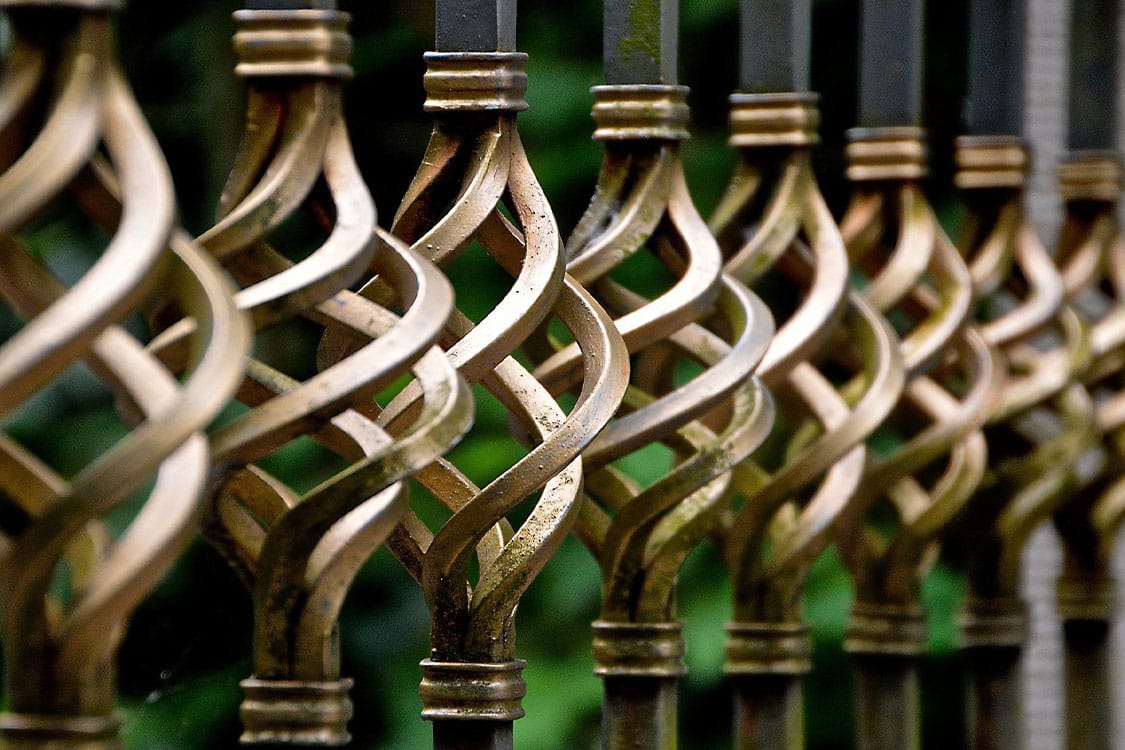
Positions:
{"x": 1044, "y": 421}
{"x": 1091, "y": 256}
{"x": 777, "y": 233}
{"x": 475, "y": 165}
{"x": 299, "y": 552}
{"x": 642, "y": 534}
{"x": 916, "y": 278}
{"x": 69, "y": 122}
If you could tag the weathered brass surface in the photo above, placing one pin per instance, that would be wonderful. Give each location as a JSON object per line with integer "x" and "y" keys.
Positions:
{"x": 777, "y": 234}
{"x": 70, "y": 126}
{"x": 475, "y": 165}
{"x": 641, "y": 535}
{"x": 1037, "y": 433}
{"x": 298, "y": 552}
{"x": 916, "y": 277}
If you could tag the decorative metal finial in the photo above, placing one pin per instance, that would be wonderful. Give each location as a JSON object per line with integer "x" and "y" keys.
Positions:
{"x": 299, "y": 552}
{"x": 917, "y": 279}
{"x": 471, "y": 686}
{"x": 777, "y": 233}
{"x": 642, "y": 534}
{"x": 1044, "y": 421}
{"x": 60, "y": 642}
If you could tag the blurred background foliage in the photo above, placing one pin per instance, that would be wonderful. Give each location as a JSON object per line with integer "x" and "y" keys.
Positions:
{"x": 187, "y": 646}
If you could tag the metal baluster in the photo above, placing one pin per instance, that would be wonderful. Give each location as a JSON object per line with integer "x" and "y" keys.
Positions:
{"x": 475, "y": 83}
{"x": 299, "y": 552}
{"x": 916, "y": 277}
{"x": 1044, "y": 421}
{"x": 1091, "y": 255}
{"x": 60, "y": 642}
{"x": 777, "y": 233}
{"x": 641, "y": 535}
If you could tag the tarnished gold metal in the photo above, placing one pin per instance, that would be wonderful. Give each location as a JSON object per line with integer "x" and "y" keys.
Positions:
{"x": 641, "y": 535}
{"x": 1091, "y": 257}
{"x": 90, "y": 139}
{"x": 1036, "y": 434}
{"x": 916, "y": 278}
{"x": 475, "y": 163}
{"x": 298, "y": 553}
{"x": 777, "y": 233}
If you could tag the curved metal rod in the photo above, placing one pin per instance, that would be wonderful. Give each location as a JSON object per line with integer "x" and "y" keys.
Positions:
{"x": 473, "y": 163}
{"x": 61, "y": 664}
{"x": 955, "y": 381}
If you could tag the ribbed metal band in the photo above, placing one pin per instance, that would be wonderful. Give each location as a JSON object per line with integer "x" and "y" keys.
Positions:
{"x": 639, "y": 649}
{"x": 886, "y": 154}
{"x": 52, "y": 730}
{"x": 885, "y": 629}
{"x": 985, "y": 162}
{"x": 764, "y": 648}
{"x": 305, "y": 42}
{"x": 641, "y": 112}
{"x": 1085, "y": 598}
{"x": 993, "y": 622}
{"x": 475, "y": 82}
{"x": 1090, "y": 176}
{"x": 292, "y": 712}
{"x": 787, "y": 119}
{"x": 472, "y": 692}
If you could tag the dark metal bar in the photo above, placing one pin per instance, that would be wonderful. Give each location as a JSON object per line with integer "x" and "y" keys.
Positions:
{"x": 640, "y": 43}
{"x": 1089, "y": 720}
{"x": 995, "y": 722}
{"x": 475, "y": 25}
{"x": 639, "y": 712}
{"x": 472, "y": 735}
{"x": 996, "y": 66}
{"x": 769, "y": 712}
{"x": 888, "y": 702}
{"x": 776, "y": 42}
{"x": 890, "y": 78}
{"x": 1093, "y": 75}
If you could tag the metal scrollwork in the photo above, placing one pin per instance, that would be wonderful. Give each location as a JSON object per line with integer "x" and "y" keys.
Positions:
{"x": 641, "y": 534}
{"x": 777, "y": 232}
{"x": 918, "y": 280}
{"x": 299, "y": 552}
{"x": 475, "y": 183}
{"x": 91, "y": 140}
{"x": 1036, "y": 434}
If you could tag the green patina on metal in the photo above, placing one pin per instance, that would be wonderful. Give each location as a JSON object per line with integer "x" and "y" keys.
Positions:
{"x": 644, "y": 30}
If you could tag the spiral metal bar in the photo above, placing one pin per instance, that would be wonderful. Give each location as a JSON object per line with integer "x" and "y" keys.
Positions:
{"x": 298, "y": 552}
{"x": 60, "y": 642}
{"x": 777, "y": 233}
{"x": 641, "y": 535}
{"x": 475, "y": 165}
{"x": 1089, "y": 252}
{"x": 917, "y": 279}
{"x": 1036, "y": 435}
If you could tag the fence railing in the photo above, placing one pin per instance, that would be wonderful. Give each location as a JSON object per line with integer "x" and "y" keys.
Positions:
{"x": 773, "y": 384}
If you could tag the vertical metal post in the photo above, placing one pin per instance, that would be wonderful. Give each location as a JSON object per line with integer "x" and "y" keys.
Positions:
{"x": 769, "y": 712}
{"x": 1090, "y": 178}
{"x": 890, "y": 77}
{"x": 992, "y": 170}
{"x": 888, "y": 703}
{"x": 1093, "y": 75}
{"x": 775, "y": 43}
{"x": 996, "y": 66}
{"x": 890, "y": 96}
